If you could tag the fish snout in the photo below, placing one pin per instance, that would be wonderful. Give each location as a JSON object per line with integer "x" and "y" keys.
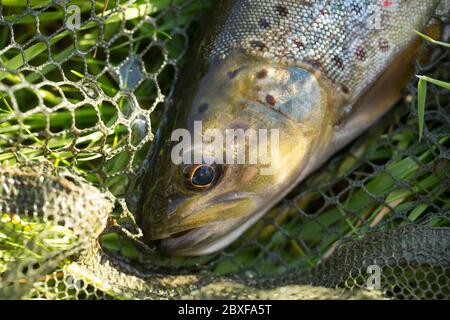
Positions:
{"x": 199, "y": 241}
{"x": 188, "y": 224}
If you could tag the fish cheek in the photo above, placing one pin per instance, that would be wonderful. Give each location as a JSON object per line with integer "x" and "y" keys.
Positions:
{"x": 291, "y": 92}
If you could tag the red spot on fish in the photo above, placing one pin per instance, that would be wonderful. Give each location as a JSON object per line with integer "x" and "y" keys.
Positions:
{"x": 271, "y": 100}
{"x": 361, "y": 54}
{"x": 261, "y": 74}
{"x": 345, "y": 89}
{"x": 383, "y": 44}
{"x": 338, "y": 62}
{"x": 324, "y": 12}
{"x": 387, "y": 4}
{"x": 256, "y": 44}
{"x": 282, "y": 10}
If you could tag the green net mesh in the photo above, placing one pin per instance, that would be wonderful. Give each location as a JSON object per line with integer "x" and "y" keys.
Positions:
{"x": 79, "y": 107}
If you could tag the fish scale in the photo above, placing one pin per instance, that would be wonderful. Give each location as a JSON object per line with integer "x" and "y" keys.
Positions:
{"x": 351, "y": 42}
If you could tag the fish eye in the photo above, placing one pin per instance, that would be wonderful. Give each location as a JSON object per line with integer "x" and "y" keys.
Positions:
{"x": 201, "y": 176}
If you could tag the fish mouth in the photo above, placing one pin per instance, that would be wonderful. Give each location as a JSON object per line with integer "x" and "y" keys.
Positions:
{"x": 186, "y": 242}
{"x": 202, "y": 240}
{"x": 228, "y": 197}
{"x": 195, "y": 239}
{"x": 181, "y": 234}
{"x": 175, "y": 243}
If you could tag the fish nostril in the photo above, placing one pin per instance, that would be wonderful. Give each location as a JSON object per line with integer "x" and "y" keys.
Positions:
{"x": 173, "y": 204}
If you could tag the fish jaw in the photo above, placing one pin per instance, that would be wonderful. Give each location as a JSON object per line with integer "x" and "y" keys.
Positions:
{"x": 211, "y": 238}
{"x": 197, "y": 213}
{"x": 203, "y": 240}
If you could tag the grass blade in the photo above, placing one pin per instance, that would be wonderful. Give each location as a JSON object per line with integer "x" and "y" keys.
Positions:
{"x": 432, "y": 40}
{"x": 442, "y": 84}
{"x": 422, "y": 97}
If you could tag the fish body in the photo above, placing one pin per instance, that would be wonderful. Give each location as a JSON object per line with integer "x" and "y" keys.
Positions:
{"x": 315, "y": 73}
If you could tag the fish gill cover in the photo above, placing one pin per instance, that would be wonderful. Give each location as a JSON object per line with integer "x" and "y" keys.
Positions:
{"x": 82, "y": 92}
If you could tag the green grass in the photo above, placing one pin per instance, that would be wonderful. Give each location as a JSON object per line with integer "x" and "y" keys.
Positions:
{"x": 16, "y": 234}
{"x": 24, "y": 128}
{"x": 422, "y": 86}
{"x": 89, "y": 142}
{"x": 26, "y": 241}
{"x": 303, "y": 238}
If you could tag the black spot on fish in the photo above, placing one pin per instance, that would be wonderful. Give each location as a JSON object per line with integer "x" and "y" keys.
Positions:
{"x": 282, "y": 10}
{"x": 203, "y": 108}
{"x": 299, "y": 43}
{"x": 264, "y": 23}
{"x": 261, "y": 74}
{"x": 345, "y": 89}
{"x": 338, "y": 62}
{"x": 258, "y": 44}
{"x": 356, "y": 8}
{"x": 271, "y": 100}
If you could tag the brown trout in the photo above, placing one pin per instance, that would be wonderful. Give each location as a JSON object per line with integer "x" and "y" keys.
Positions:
{"x": 318, "y": 72}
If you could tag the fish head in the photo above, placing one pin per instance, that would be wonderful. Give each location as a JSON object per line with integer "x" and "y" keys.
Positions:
{"x": 250, "y": 133}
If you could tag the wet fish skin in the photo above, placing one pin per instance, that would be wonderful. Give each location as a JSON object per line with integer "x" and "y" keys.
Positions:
{"x": 296, "y": 66}
{"x": 340, "y": 38}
